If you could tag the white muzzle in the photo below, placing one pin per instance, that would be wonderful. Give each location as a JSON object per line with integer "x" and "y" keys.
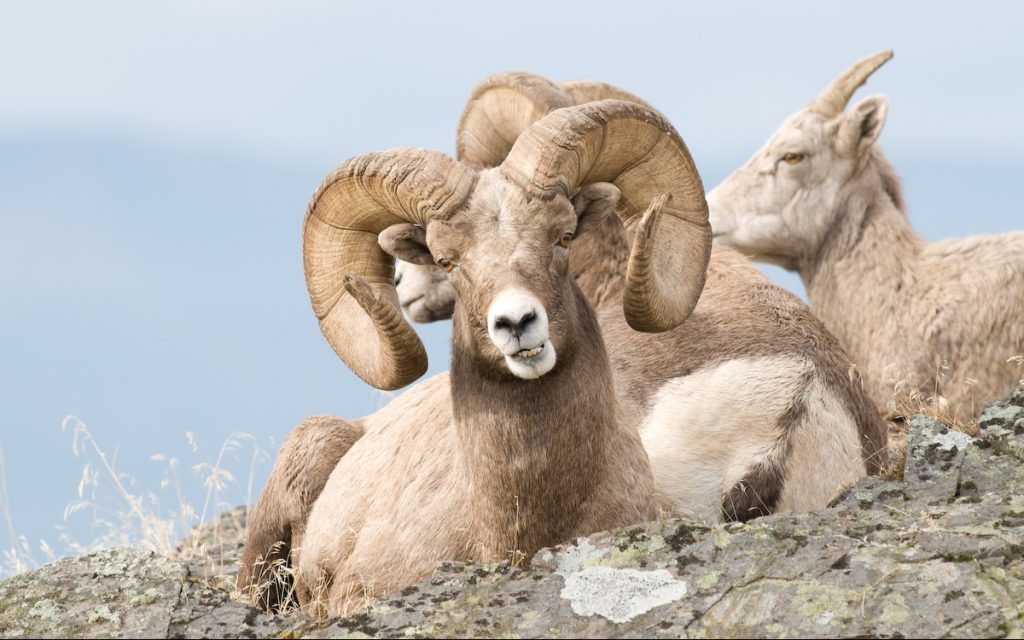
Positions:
{"x": 518, "y": 325}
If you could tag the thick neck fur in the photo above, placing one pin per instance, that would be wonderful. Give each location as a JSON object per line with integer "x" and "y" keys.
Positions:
{"x": 546, "y": 459}
{"x": 866, "y": 264}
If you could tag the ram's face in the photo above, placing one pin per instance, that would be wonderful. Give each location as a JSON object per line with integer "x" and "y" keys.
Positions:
{"x": 506, "y": 255}
{"x": 779, "y": 206}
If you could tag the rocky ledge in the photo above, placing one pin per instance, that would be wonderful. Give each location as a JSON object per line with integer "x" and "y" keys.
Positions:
{"x": 940, "y": 553}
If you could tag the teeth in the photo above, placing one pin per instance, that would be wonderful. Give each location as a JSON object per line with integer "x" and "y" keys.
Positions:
{"x": 529, "y": 353}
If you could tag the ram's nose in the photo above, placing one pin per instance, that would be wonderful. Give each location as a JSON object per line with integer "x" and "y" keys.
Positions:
{"x": 517, "y": 324}
{"x": 516, "y": 320}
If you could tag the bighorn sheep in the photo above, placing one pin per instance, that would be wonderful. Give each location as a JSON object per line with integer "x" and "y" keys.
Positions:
{"x": 750, "y": 365}
{"x": 821, "y": 199}
{"x": 525, "y": 444}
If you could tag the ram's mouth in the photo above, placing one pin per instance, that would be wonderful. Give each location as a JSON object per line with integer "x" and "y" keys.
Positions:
{"x": 532, "y": 363}
{"x": 528, "y": 353}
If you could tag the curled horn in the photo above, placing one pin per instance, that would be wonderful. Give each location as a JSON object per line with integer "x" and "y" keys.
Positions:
{"x": 637, "y": 150}
{"x": 350, "y": 278}
{"x": 500, "y": 108}
{"x": 504, "y": 105}
{"x": 837, "y": 94}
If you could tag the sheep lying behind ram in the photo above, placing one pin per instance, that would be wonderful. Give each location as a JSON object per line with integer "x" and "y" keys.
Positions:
{"x": 821, "y": 199}
{"x": 750, "y": 376}
{"x": 525, "y": 443}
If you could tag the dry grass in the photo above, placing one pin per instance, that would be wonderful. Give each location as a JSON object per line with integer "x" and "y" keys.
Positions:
{"x": 908, "y": 399}
{"x": 275, "y": 576}
{"x": 119, "y": 511}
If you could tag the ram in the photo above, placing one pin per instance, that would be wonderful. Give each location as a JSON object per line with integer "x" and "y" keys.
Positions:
{"x": 821, "y": 199}
{"x": 524, "y": 444}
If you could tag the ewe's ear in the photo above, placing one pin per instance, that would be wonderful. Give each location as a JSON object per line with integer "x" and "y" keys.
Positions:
{"x": 862, "y": 124}
{"x": 406, "y": 242}
{"x": 593, "y": 203}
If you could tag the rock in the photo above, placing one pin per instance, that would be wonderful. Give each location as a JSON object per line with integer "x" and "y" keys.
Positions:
{"x": 941, "y": 553}
{"x": 1002, "y": 423}
{"x": 127, "y": 592}
{"x": 935, "y": 454}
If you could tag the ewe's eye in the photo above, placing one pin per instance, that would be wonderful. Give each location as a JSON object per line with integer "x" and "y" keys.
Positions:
{"x": 564, "y": 240}
{"x": 793, "y": 158}
{"x": 446, "y": 264}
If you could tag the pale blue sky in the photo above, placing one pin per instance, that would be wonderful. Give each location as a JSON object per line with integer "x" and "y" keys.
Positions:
{"x": 155, "y": 163}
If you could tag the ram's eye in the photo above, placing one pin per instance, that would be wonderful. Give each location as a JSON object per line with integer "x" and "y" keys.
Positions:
{"x": 793, "y": 158}
{"x": 446, "y": 264}
{"x": 565, "y": 240}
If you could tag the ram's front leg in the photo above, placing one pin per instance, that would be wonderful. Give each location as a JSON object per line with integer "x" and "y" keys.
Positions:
{"x": 278, "y": 521}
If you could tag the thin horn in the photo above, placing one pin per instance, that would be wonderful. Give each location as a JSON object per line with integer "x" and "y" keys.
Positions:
{"x": 638, "y": 151}
{"x": 836, "y": 95}
{"x": 351, "y": 280}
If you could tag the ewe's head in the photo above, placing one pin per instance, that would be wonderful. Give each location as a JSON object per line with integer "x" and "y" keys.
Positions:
{"x": 502, "y": 236}
{"x": 424, "y": 292}
{"x": 780, "y": 205}
{"x": 499, "y": 109}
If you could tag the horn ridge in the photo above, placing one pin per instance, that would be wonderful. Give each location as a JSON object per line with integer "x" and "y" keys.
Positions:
{"x": 636, "y": 149}
{"x": 350, "y": 279}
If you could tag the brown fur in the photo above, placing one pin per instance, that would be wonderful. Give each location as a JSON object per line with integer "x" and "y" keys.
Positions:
{"x": 587, "y": 469}
{"x": 927, "y": 303}
{"x": 278, "y": 521}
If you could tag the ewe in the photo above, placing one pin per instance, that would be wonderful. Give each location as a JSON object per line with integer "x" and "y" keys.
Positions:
{"x": 821, "y": 199}
{"x": 740, "y": 405}
{"x": 525, "y": 443}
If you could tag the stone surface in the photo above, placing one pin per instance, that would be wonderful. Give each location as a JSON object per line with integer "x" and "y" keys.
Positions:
{"x": 938, "y": 554}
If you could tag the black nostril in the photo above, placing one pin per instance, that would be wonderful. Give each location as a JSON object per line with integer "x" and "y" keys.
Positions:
{"x": 398, "y": 279}
{"x": 516, "y": 328}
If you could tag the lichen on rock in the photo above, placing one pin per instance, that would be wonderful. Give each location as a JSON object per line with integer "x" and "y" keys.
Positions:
{"x": 939, "y": 554}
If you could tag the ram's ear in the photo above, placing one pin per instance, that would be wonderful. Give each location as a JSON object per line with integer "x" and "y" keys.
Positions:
{"x": 593, "y": 203}
{"x": 406, "y": 242}
{"x": 861, "y": 125}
